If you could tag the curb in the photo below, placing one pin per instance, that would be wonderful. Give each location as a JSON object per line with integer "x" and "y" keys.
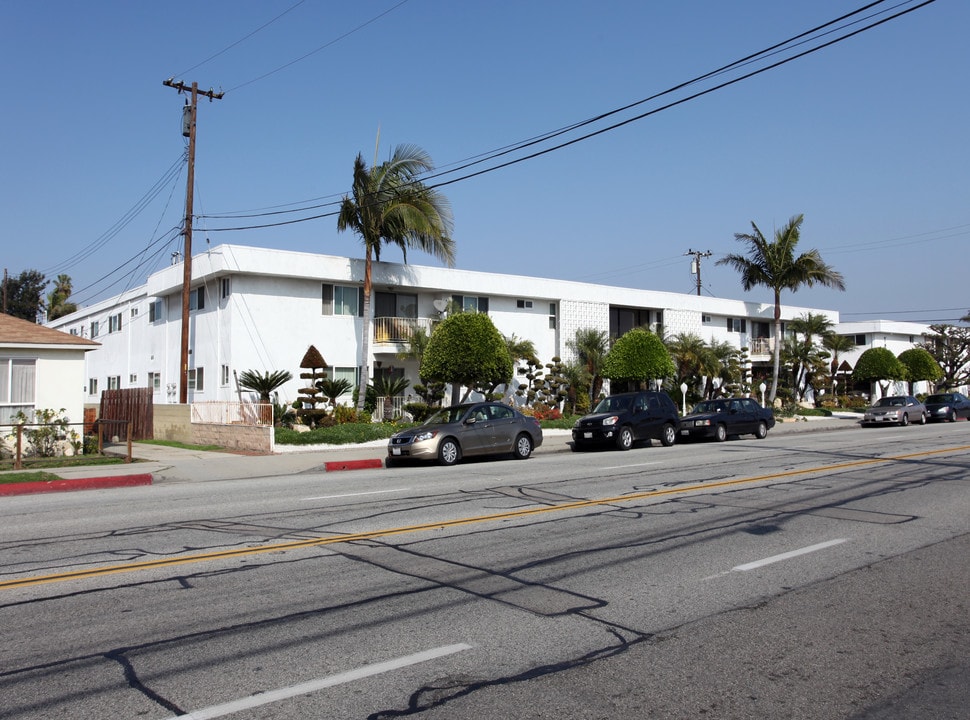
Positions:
{"x": 95, "y": 483}
{"x": 372, "y": 463}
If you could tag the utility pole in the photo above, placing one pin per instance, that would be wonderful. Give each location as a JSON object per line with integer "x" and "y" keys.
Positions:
{"x": 695, "y": 265}
{"x": 188, "y": 130}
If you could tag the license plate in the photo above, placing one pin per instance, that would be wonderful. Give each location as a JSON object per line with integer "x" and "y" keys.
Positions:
{"x": 395, "y": 451}
{"x": 588, "y": 435}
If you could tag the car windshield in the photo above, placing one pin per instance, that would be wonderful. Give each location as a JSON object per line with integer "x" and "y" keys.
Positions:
{"x": 939, "y": 399}
{"x": 891, "y": 402}
{"x": 614, "y": 404}
{"x": 710, "y": 406}
{"x": 447, "y": 415}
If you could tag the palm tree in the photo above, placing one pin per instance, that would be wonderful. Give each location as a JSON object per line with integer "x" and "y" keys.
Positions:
{"x": 263, "y": 383}
{"x": 809, "y": 359}
{"x": 836, "y": 345}
{"x": 773, "y": 264}
{"x": 389, "y": 205}
{"x": 591, "y": 347}
{"x": 57, "y": 299}
{"x": 333, "y": 388}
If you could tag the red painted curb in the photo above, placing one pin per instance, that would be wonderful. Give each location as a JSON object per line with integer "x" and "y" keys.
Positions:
{"x": 354, "y": 464}
{"x": 97, "y": 483}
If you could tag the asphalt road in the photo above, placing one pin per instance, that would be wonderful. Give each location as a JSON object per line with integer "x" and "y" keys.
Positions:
{"x": 817, "y": 575}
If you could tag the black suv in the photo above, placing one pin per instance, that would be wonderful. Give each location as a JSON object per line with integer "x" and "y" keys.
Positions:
{"x": 623, "y": 419}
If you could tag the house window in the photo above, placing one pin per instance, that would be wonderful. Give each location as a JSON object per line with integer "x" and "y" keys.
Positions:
{"x": 196, "y": 379}
{"x": 155, "y": 380}
{"x": 17, "y": 383}
{"x": 226, "y": 288}
{"x": 526, "y": 304}
{"x": 155, "y": 311}
{"x": 197, "y": 298}
{"x": 114, "y": 382}
{"x": 224, "y": 377}
{"x": 114, "y": 323}
{"x": 343, "y": 300}
{"x": 94, "y": 328}
{"x": 469, "y": 303}
{"x": 736, "y": 325}
{"x": 553, "y": 322}
{"x": 133, "y": 379}
{"x": 93, "y": 386}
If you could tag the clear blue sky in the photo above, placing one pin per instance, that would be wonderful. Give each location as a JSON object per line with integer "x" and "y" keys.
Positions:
{"x": 867, "y": 138}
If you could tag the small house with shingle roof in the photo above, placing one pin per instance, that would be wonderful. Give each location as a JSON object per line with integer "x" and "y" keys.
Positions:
{"x": 41, "y": 368}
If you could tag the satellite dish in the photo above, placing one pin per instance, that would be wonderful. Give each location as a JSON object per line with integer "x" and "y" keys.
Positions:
{"x": 440, "y": 304}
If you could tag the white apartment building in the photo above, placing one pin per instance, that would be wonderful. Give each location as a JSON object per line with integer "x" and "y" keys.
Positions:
{"x": 260, "y": 309}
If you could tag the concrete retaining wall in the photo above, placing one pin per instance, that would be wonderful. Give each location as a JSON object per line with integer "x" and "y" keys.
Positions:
{"x": 250, "y": 438}
{"x": 173, "y": 422}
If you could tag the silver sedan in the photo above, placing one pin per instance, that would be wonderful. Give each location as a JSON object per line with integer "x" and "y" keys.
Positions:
{"x": 895, "y": 410}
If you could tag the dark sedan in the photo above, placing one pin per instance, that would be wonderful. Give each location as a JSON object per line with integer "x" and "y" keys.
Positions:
{"x": 947, "y": 406}
{"x": 724, "y": 417}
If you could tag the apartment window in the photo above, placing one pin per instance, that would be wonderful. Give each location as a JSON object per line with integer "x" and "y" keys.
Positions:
{"x": 553, "y": 322}
{"x": 114, "y": 382}
{"x": 345, "y": 373}
{"x": 469, "y": 303}
{"x": 860, "y": 339}
{"x": 196, "y": 379}
{"x": 114, "y": 323}
{"x": 95, "y": 325}
{"x": 93, "y": 386}
{"x": 155, "y": 311}
{"x": 133, "y": 379}
{"x": 736, "y": 325}
{"x": 155, "y": 380}
{"x": 134, "y": 312}
{"x": 75, "y": 331}
{"x": 523, "y": 304}
{"x": 224, "y": 377}
{"x": 226, "y": 288}
{"x": 17, "y": 383}
{"x": 706, "y": 319}
{"x": 197, "y": 299}
{"x": 343, "y": 300}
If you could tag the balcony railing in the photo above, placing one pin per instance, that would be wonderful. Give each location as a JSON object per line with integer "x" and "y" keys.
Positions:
{"x": 399, "y": 329}
{"x": 761, "y": 346}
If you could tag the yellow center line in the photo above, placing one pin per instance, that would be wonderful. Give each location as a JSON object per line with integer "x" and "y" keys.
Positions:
{"x": 443, "y": 524}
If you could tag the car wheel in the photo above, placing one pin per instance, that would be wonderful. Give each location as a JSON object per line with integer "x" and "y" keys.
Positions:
{"x": 577, "y": 447}
{"x": 905, "y": 420}
{"x": 922, "y": 419}
{"x": 449, "y": 452}
{"x": 624, "y": 438}
{"x": 523, "y": 447}
{"x": 390, "y": 462}
{"x": 762, "y": 432}
{"x": 668, "y": 435}
{"x": 720, "y": 433}
{"x": 952, "y": 417}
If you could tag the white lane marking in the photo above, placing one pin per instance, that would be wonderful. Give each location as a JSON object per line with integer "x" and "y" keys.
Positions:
{"x": 788, "y": 555}
{"x": 623, "y": 467}
{"x": 272, "y": 696}
{"x": 372, "y": 492}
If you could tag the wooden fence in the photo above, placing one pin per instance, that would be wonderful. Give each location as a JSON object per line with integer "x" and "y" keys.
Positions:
{"x": 132, "y": 405}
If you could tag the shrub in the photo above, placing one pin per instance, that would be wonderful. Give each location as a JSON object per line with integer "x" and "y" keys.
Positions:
{"x": 419, "y": 411}
{"x": 344, "y": 415}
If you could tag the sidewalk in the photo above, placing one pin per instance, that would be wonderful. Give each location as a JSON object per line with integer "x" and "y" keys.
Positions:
{"x": 161, "y": 464}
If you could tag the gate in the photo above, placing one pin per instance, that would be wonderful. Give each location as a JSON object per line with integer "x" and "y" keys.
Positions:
{"x": 132, "y": 405}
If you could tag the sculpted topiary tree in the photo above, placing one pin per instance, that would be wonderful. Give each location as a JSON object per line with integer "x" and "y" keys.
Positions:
{"x": 312, "y": 395}
{"x": 467, "y": 350}
{"x": 920, "y": 366}
{"x": 637, "y": 357}
{"x": 879, "y": 365}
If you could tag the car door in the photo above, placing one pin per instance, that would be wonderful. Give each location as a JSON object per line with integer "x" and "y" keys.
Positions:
{"x": 476, "y": 435}
{"x": 647, "y": 416}
{"x": 503, "y": 427}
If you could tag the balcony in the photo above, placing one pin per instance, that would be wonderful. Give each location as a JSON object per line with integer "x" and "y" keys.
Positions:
{"x": 761, "y": 346}
{"x": 399, "y": 330}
